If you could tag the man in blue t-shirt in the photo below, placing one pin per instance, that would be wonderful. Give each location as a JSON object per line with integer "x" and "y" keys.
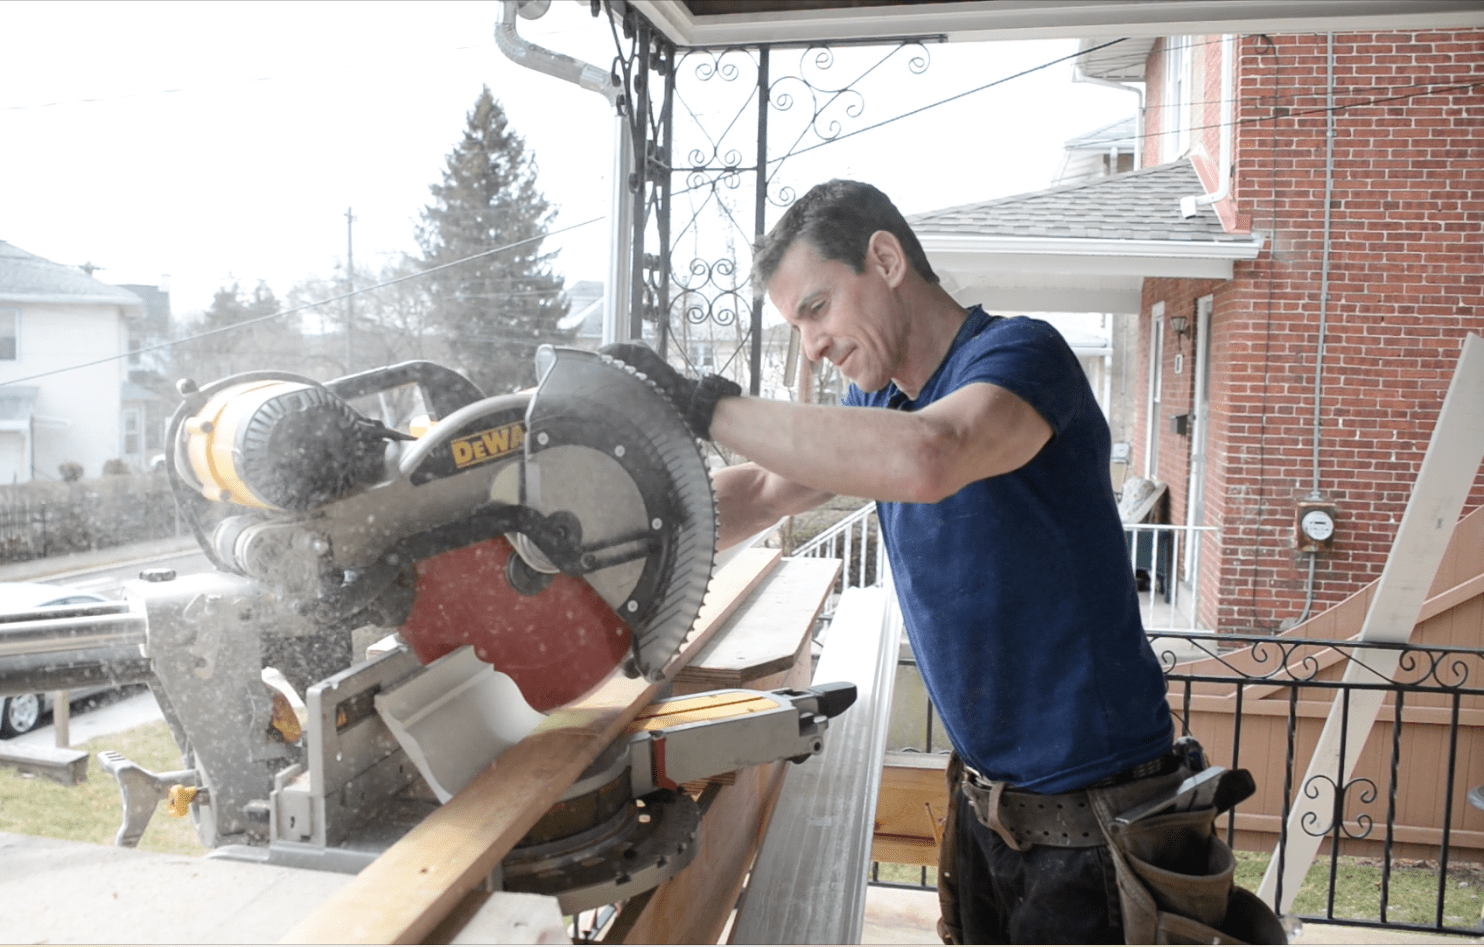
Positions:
{"x": 980, "y": 440}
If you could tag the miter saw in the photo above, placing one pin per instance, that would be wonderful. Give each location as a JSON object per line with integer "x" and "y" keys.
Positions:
{"x": 509, "y": 553}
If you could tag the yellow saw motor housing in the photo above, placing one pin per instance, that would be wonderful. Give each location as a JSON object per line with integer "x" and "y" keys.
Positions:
{"x": 280, "y": 445}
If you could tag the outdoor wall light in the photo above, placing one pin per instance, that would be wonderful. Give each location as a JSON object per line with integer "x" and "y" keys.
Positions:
{"x": 1180, "y": 324}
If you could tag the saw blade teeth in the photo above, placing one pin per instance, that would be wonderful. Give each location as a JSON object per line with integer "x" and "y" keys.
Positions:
{"x": 657, "y": 437}
{"x": 620, "y": 363}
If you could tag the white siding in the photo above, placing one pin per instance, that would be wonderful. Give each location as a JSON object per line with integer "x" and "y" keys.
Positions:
{"x": 77, "y": 411}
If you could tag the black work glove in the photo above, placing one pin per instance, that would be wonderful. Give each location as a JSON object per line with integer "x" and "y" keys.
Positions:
{"x": 695, "y": 399}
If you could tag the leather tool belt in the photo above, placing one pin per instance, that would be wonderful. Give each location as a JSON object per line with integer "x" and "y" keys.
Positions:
{"x": 1174, "y": 874}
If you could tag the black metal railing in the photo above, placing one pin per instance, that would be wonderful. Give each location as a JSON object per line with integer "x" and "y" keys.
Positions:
{"x": 1395, "y": 814}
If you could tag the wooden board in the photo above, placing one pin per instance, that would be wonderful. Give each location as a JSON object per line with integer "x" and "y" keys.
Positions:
{"x": 403, "y": 895}
{"x": 764, "y": 636}
{"x": 68, "y": 767}
{"x": 910, "y": 809}
{"x": 1449, "y": 468}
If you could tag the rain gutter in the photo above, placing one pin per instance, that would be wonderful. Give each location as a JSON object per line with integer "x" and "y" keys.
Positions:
{"x": 603, "y": 82}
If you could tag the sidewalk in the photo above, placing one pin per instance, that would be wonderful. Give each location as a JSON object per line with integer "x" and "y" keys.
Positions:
{"x": 109, "y": 717}
{"x": 57, "y": 568}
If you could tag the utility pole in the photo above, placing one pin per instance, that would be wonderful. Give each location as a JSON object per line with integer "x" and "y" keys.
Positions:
{"x": 350, "y": 282}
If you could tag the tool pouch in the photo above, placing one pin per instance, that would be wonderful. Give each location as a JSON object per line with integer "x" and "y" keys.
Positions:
{"x": 1175, "y": 881}
{"x": 950, "y": 925}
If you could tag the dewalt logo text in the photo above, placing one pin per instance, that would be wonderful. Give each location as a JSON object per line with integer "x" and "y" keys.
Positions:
{"x": 484, "y": 446}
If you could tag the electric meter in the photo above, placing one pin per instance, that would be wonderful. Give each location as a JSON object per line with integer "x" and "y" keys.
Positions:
{"x": 1316, "y": 525}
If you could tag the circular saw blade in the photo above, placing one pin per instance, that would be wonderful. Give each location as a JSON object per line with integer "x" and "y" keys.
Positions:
{"x": 635, "y": 481}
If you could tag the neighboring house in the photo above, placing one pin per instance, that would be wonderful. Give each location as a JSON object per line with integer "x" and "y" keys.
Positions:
{"x": 585, "y": 314}
{"x": 148, "y": 395}
{"x": 1229, "y": 293}
{"x": 1084, "y": 247}
{"x": 63, "y": 335}
{"x": 1099, "y": 154}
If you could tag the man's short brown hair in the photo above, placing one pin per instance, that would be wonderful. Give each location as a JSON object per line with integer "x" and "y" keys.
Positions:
{"x": 837, "y": 219}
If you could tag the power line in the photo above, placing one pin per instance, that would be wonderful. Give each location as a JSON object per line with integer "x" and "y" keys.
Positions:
{"x": 301, "y": 308}
{"x": 951, "y": 98}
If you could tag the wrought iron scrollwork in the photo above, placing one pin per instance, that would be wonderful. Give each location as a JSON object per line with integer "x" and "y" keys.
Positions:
{"x": 1320, "y": 661}
{"x": 708, "y": 173}
{"x": 1314, "y": 788}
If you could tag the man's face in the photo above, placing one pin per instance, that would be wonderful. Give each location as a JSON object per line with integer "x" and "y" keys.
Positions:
{"x": 852, "y": 319}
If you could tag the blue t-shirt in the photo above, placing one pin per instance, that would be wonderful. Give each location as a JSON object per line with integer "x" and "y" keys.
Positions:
{"x": 1016, "y": 591}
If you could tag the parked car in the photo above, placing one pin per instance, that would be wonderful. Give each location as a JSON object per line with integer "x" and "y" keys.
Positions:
{"x": 20, "y": 714}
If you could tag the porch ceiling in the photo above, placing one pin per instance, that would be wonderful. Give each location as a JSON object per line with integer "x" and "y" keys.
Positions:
{"x": 753, "y": 22}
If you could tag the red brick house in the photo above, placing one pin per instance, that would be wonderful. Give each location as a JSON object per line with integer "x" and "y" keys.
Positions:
{"x": 1229, "y": 365}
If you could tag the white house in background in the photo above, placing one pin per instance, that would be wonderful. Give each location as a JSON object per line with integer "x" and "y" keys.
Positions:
{"x": 585, "y": 314}
{"x": 55, "y": 317}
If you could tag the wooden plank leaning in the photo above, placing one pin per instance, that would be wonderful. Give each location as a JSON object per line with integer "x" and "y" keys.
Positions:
{"x": 1449, "y": 468}
{"x": 403, "y": 895}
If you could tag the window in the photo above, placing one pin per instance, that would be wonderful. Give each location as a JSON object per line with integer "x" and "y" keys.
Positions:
{"x": 10, "y": 334}
{"x": 1175, "y": 127}
{"x": 132, "y": 425}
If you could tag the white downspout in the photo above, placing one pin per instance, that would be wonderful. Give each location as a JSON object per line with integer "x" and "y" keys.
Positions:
{"x": 544, "y": 60}
{"x": 1190, "y": 205}
{"x": 600, "y": 81}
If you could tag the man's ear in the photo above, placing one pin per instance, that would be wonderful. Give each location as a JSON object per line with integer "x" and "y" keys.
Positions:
{"x": 884, "y": 253}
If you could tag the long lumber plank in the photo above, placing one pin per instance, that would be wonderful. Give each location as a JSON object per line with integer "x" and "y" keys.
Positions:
{"x": 1449, "y": 468}
{"x": 403, "y": 895}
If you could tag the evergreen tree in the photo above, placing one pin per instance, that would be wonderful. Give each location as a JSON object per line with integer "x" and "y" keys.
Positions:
{"x": 497, "y": 309}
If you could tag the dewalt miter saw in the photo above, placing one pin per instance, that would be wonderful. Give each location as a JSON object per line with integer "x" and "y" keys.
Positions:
{"x": 508, "y": 553}
{"x": 584, "y": 512}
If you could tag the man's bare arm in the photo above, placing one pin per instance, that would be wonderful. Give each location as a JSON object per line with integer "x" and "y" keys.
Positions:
{"x": 979, "y": 431}
{"x": 749, "y": 499}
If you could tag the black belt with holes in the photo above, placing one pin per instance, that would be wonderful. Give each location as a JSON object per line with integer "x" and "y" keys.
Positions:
{"x": 1064, "y": 820}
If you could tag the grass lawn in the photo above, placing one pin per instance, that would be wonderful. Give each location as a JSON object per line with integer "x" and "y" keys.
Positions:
{"x": 1411, "y": 898}
{"x": 92, "y": 810}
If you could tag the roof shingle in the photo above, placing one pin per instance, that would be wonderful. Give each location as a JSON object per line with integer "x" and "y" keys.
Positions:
{"x": 26, "y": 275}
{"x": 1137, "y": 205}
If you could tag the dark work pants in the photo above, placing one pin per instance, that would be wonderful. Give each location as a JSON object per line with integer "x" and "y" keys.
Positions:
{"x": 1040, "y": 896}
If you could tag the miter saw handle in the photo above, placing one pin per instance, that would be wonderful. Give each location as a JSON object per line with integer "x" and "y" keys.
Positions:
{"x": 833, "y": 699}
{"x": 444, "y": 390}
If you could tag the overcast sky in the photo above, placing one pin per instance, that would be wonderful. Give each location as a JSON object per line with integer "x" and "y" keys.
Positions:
{"x": 221, "y": 142}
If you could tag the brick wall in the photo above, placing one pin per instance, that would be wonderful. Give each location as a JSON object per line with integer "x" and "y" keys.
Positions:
{"x": 1406, "y": 284}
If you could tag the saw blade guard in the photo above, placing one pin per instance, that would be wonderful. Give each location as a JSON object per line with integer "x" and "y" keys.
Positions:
{"x": 588, "y": 401}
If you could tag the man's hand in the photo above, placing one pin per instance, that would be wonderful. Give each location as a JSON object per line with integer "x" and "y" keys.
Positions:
{"x": 695, "y": 400}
